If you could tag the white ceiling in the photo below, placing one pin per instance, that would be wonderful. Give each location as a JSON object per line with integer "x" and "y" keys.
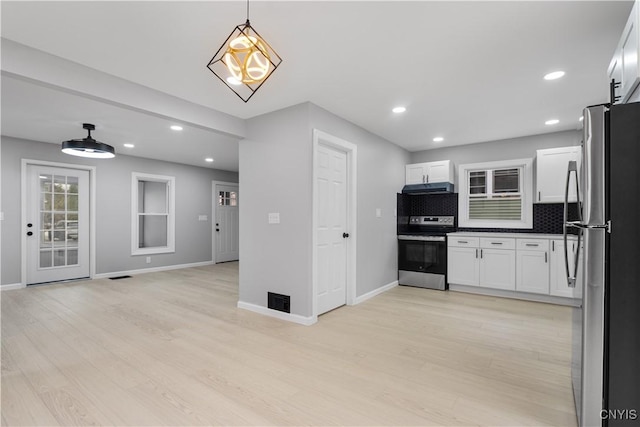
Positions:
{"x": 467, "y": 71}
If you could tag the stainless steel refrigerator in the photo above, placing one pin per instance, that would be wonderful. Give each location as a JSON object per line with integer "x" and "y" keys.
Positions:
{"x": 606, "y": 332}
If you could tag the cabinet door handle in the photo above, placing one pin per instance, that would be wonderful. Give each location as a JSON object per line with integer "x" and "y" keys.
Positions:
{"x": 538, "y": 196}
{"x": 553, "y": 245}
{"x": 423, "y": 180}
{"x": 496, "y": 243}
{"x": 427, "y": 178}
{"x": 476, "y": 253}
{"x": 532, "y": 244}
{"x": 462, "y": 241}
{"x": 480, "y": 253}
{"x": 545, "y": 257}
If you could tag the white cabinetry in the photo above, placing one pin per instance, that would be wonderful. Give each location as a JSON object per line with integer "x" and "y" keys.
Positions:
{"x": 558, "y": 277}
{"x": 551, "y": 174}
{"x": 463, "y": 261}
{"x": 624, "y": 67}
{"x": 528, "y": 267}
{"x": 533, "y": 266}
{"x": 477, "y": 262}
{"x": 423, "y": 173}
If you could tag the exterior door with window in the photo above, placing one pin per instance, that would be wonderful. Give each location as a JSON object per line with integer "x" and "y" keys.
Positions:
{"x": 227, "y": 223}
{"x": 57, "y": 224}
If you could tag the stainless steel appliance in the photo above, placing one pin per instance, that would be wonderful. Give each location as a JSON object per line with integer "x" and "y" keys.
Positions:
{"x": 422, "y": 251}
{"x": 606, "y": 334}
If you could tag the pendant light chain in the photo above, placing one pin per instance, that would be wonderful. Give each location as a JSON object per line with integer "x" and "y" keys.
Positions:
{"x": 247, "y": 11}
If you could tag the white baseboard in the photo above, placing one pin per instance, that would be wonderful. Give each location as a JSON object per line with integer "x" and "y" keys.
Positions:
{"x": 378, "y": 291}
{"x": 150, "y": 270}
{"x": 295, "y": 318}
{"x": 550, "y": 299}
{"x": 12, "y": 286}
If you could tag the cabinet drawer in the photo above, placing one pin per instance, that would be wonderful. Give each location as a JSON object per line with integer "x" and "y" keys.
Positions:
{"x": 461, "y": 242}
{"x": 532, "y": 244}
{"x": 497, "y": 243}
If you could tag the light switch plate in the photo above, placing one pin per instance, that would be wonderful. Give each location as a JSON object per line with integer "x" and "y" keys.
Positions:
{"x": 274, "y": 218}
{"x": 202, "y": 218}
{"x": 1, "y": 216}
{"x": 378, "y": 213}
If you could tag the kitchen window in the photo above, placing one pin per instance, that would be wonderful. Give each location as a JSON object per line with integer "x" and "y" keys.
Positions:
{"x": 153, "y": 214}
{"x": 496, "y": 194}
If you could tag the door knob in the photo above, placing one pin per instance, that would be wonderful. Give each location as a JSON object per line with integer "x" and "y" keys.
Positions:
{"x": 29, "y": 233}
{"x": 217, "y": 229}
{"x": 29, "y": 225}
{"x": 345, "y": 235}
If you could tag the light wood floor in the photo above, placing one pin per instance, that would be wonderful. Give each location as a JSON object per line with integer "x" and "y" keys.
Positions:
{"x": 171, "y": 348}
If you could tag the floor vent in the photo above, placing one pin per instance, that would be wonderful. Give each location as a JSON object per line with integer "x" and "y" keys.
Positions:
{"x": 279, "y": 302}
{"x": 119, "y": 277}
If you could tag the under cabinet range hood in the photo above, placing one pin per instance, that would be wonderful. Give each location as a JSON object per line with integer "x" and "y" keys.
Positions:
{"x": 428, "y": 188}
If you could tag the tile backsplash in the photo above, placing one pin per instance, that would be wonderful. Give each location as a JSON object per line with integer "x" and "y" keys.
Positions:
{"x": 547, "y": 218}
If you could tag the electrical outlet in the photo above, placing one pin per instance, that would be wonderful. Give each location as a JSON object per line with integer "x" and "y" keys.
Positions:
{"x": 148, "y": 260}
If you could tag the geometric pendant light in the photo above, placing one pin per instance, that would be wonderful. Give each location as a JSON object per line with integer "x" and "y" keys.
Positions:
{"x": 88, "y": 147}
{"x": 244, "y": 61}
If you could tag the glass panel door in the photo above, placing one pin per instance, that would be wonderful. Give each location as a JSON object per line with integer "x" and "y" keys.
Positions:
{"x": 57, "y": 224}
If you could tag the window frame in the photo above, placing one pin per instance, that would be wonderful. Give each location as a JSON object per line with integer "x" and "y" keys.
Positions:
{"x": 136, "y": 177}
{"x": 526, "y": 191}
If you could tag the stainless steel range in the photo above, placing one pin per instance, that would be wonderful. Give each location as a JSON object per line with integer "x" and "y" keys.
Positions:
{"x": 422, "y": 251}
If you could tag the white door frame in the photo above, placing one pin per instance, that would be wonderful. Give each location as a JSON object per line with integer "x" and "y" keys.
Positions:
{"x": 92, "y": 211}
{"x": 351, "y": 150}
{"x": 214, "y": 205}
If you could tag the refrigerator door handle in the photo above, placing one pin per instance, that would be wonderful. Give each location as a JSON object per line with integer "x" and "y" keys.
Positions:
{"x": 571, "y": 278}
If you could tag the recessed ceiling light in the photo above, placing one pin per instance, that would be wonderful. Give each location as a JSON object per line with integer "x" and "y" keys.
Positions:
{"x": 176, "y": 127}
{"x": 208, "y": 159}
{"x": 398, "y": 110}
{"x": 554, "y": 75}
{"x": 128, "y": 145}
{"x": 438, "y": 139}
{"x": 552, "y": 122}
{"x": 233, "y": 81}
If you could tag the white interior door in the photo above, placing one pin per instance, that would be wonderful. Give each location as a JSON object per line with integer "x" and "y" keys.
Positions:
{"x": 57, "y": 224}
{"x": 332, "y": 233}
{"x": 227, "y": 235}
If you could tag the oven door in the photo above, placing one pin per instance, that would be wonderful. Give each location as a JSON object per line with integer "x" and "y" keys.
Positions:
{"x": 424, "y": 256}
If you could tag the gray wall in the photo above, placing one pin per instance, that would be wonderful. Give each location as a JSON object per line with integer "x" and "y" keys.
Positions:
{"x": 113, "y": 207}
{"x": 276, "y": 176}
{"x": 507, "y": 149}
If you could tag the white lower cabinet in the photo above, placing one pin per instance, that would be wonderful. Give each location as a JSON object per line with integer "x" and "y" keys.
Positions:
{"x": 558, "y": 277}
{"x": 475, "y": 262}
{"x": 533, "y": 266}
{"x": 527, "y": 265}
{"x": 467, "y": 266}
{"x": 498, "y": 269}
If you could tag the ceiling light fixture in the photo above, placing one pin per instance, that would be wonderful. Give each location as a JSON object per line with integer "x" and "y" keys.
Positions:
{"x": 88, "y": 147}
{"x": 175, "y": 127}
{"x": 398, "y": 110}
{"x": 552, "y": 122}
{"x": 554, "y": 75}
{"x": 129, "y": 145}
{"x": 438, "y": 139}
{"x": 208, "y": 159}
{"x": 244, "y": 61}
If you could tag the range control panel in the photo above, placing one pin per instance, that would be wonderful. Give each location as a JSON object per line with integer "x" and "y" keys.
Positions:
{"x": 439, "y": 221}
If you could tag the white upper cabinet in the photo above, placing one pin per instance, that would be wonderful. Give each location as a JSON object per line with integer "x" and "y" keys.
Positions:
{"x": 624, "y": 67}
{"x": 551, "y": 174}
{"x": 424, "y": 173}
